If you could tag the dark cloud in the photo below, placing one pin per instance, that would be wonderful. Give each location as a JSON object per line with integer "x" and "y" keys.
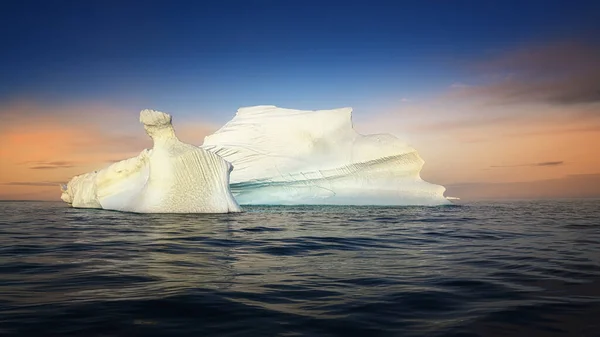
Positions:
{"x": 550, "y": 163}
{"x": 50, "y": 165}
{"x": 562, "y": 73}
{"x": 546, "y": 163}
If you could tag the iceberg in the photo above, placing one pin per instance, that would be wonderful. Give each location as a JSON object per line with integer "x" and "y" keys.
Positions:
{"x": 172, "y": 177}
{"x": 292, "y": 157}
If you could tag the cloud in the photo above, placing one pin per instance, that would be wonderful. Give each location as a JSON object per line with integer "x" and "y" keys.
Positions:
{"x": 473, "y": 122}
{"x": 532, "y": 90}
{"x": 546, "y": 163}
{"x": 564, "y": 73}
{"x": 33, "y": 183}
{"x": 550, "y": 163}
{"x": 556, "y": 130}
{"x": 50, "y": 165}
{"x": 570, "y": 186}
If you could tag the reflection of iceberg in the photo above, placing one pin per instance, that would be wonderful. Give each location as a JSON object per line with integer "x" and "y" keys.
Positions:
{"x": 173, "y": 177}
{"x": 284, "y": 156}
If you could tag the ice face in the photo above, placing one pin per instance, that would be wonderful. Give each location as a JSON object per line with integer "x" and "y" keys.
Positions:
{"x": 173, "y": 177}
{"x": 286, "y": 157}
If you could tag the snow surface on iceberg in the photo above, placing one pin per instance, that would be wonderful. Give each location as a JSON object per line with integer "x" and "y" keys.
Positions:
{"x": 172, "y": 177}
{"x": 286, "y": 157}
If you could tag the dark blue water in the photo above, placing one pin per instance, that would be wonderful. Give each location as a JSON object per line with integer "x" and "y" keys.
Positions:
{"x": 484, "y": 269}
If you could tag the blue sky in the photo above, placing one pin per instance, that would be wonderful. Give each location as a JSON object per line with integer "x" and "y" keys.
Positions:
{"x": 210, "y": 57}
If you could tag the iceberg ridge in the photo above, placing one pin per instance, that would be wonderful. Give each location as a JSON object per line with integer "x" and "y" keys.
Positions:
{"x": 286, "y": 157}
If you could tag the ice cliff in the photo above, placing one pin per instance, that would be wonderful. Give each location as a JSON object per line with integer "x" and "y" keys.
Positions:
{"x": 172, "y": 177}
{"x": 285, "y": 157}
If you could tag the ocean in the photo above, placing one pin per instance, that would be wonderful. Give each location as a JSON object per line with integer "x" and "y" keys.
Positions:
{"x": 522, "y": 268}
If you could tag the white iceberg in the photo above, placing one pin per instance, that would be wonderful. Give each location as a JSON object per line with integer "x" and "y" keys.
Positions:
{"x": 172, "y": 177}
{"x": 290, "y": 157}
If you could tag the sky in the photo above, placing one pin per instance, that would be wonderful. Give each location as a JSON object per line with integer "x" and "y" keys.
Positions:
{"x": 500, "y": 98}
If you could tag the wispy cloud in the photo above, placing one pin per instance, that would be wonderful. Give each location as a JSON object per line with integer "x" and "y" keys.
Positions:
{"x": 555, "y": 130}
{"x": 570, "y": 186}
{"x": 551, "y": 88}
{"x": 563, "y": 73}
{"x": 50, "y": 165}
{"x": 550, "y": 163}
{"x": 546, "y": 163}
{"x": 33, "y": 183}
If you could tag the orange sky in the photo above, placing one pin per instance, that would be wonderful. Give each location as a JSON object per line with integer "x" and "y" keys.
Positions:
{"x": 492, "y": 160}
{"x": 42, "y": 147}
{"x": 499, "y": 160}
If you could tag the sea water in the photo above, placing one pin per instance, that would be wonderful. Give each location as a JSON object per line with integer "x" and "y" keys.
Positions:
{"x": 477, "y": 269}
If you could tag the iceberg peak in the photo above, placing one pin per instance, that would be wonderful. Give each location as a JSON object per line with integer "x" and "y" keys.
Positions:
{"x": 155, "y": 118}
{"x": 158, "y": 126}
